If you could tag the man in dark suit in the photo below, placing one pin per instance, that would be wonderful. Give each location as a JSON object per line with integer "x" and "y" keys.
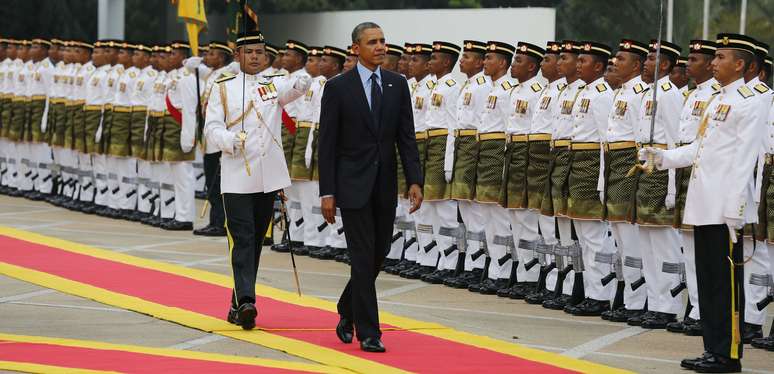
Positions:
{"x": 365, "y": 113}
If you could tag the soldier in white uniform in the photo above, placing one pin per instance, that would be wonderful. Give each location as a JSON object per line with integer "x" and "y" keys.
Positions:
{"x": 538, "y": 170}
{"x": 440, "y": 210}
{"x": 719, "y": 200}
{"x": 679, "y": 76}
{"x": 487, "y": 215}
{"x": 756, "y": 269}
{"x": 107, "y": 177}
{"x": 586, "y": 181}
{"x": 253, "y": 168}
{"x": 514, "y": 196}
{"x": 80, "y": 79}
{"x": 7, "y": 54}
{"x": 699, "y": 69}
{"x": 656, "y": 191}
{"x": 420, "y": 100}
{"x": 620, "y": 155}
{"x": 461, "y": 159}
{"x": 141, "y": 92}
{"x": 38, "y": 152}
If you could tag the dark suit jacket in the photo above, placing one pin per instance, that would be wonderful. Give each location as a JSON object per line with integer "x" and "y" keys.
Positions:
{"x": 354, "y": 153}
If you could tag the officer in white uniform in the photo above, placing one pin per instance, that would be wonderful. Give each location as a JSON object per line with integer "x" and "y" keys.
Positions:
{"x": 247, "y": 130}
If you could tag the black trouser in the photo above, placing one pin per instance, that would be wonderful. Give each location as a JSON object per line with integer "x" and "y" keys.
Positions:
{"x": 713, "y": 275}
{"x": 368, "y": 231}
{"x": 247, "y": 219}
{"x": 212, "y": 181}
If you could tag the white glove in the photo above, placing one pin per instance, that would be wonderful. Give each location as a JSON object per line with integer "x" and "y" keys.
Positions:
{"x": 234, "y": 68}
{"x": 602, "y": 197}
{"x": 192, "y": 63}
{"x": 669, "y": 202}
{"x": 656, "y": 153}
{"x": 303, "y": 83}
{"x": 448, "y": 175}
{"x": 733, "y": 224}
{"x": 236, "y": 144}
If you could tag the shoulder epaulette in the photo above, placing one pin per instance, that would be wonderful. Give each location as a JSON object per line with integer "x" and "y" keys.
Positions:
{"x": 225, "y": 77}
{"x": 687, "y": 93}
{"x": 481, "y": 80}
{"x": 536, "y": 87}
{"x": 120, "y": 70}
{"x": 562, "y": 86}
{"x": 639, "y": 88}
{"x": 132, "y": 74}
{"x": 716, "y": 86}
{"x": 450, "y": 82}
{"x": 90, "y": 68}
{"x": 745, "y": 91}
{"x": 322, "y": 82}
{"x": 506, "y": 85}
{"x": 430, "y": 84}
{"x": 152, "y": 73}
{"x": 760, "y": 87}
{"x": 666, "y": 86}
{"x": 601, "y": 87}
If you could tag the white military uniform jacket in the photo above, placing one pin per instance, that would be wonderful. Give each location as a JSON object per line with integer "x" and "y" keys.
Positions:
{"x": 420, "y": 100}
{"x": 666, "y": 129}
{"x": 523, "y": 104}
{"x": 622, "y": 123}
{"x": 498, "y": 106}
{"x": 563, "y": 118}
{"x": 262, "y": 116}
{"x": 723, "y": 159}
{"x": 694, "y": 107}
{"x": 590, "y": 113}
{"x": 470, "y": 106}
{"x": 543, "y": 119}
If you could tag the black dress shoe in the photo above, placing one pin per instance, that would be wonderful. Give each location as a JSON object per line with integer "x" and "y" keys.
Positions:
{"x": 690, "y": 363}
{"x": 623, "y": 314}
{"x": 694, "y": 329}
{"x": 345, "y": 330}
{"x": 718, "y": 364}
{"x": 658, "y": 321}
{"x": 232, "y": 316}
{"x": 372, "y": 345}
{"x": 764, "y": 343}
{"x": 537, "y": 296}
{"x": 750, "y": 332}
{"x": 490, "y": 287}
{"x": 281, "y": 247}
{"x": 520, "y": 290}
{"x": 175, "y": 225}
{"x": 680, "y": 326}
{"x": 246, "y": 316}
{"x": 636, "y": 320}
{"x": 301, "y": 250}
{"x": 210, "y": 231}
{"x": 342, "y": 257}
{"x": 557, "y": 303}
{"x": 589, "y": 308}
{"x": 436, "y": 277}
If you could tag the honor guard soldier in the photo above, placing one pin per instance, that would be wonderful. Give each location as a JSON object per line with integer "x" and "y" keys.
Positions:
{"x": 440, "y": 119}
{"x": 699, "y": 69}
{"x": 461, "y": 159}
{"x": 351, "y": 60}
{"x": 514, "y": 194}
{"x": 14, "y": 113}
{"x": 394, "y": 53}
{"x": 76, "y": 135}
{"x": 586, "y": 181}
{"x": 218, "y": 59}
{"x": 41, "y": 78}
{"x": 719, "y": 201}
{"x": 331, "y": 64}
{"x": 619, "y": 194}
{"x": 56, "y": 119}
{"x": 420, "y": 100}
{"x": 294, "y": 61}
{"x": 756, "y": 269}
{"x": 610, "y": 75}
{"x": 489, "y": 218}
{"x": 302, "y": 170}
{"x": 105, "y": 92}
{"x": 5, "y": 145}
{"x": 141, "y": 94}
{"x": 538, "y": 169}
{"x": 678, "y": 75}
{"x": 253, "y": 167}
{"x": 272, "y": 53}
{"x": 555, "y": 199}
{"x": 659, "y": 126}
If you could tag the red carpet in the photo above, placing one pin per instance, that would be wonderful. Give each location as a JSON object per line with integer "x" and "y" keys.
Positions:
{"x": 413, "y": 351}
{"x": 23, "y": 351}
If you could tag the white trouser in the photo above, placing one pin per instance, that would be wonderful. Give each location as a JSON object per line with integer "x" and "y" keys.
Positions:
{"x": 660, "y": 251}
{"x": 689, "y": 258}
{"x": 310, "y": 198}
{"x": 547, "y": 226}
{"x": 401, "y": 214}
{"x": 473, "y": 215}
{"x": 593, "y": 239}
{"x": 41, "y": 156}
{"x": 498, "y": 227}
{"x": 198, "y": 166}
{"x": 335, "y": 237}
{"x": 99, "y": 162}
{"x": 114, "y": 177}
{"x": 8, "y": 151}
{"x": 524, "y": 226}
{"x": 755, "y": 271}
{"x": 627, "y": 240}
{"x": 127, "y": 182}
{"x": 145, "y": 176}
{"x": 88, "y": 185}
{"x": 64, "y": 158}
{"x": 445, "y": 219}
{"x": 295, "y": 213}
{"x": 565, "y": 239}
{"x": 185, "y": 203}
{"x": 23, "y": 161}
{"x": 425, "y": 219}
{"x": 167, "y": 182}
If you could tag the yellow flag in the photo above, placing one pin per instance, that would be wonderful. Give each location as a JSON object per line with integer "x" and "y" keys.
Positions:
{"x": 192, "y": 12}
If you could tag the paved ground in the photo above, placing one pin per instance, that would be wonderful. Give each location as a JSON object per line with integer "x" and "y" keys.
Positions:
{"x": 27, "y": 309}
